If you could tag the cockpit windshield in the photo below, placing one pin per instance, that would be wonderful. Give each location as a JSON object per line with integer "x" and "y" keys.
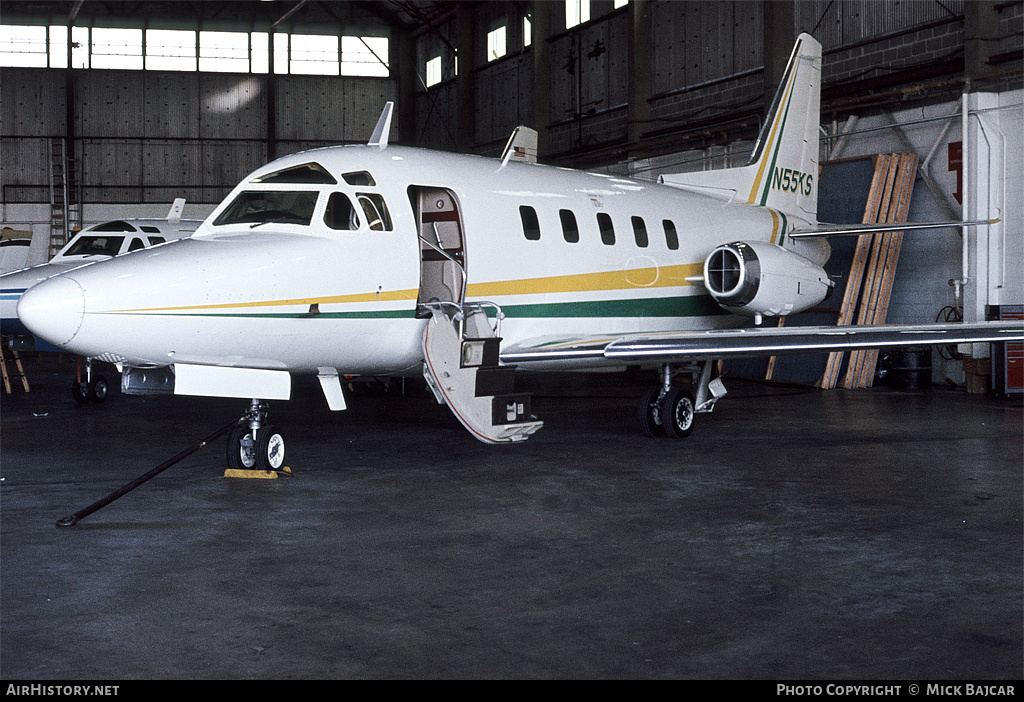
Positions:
{"x": 264, "y": 206}
{"x": 95, "y": 246}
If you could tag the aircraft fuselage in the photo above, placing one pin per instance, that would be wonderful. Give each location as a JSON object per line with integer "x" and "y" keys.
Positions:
{"x": 561, "y": 252}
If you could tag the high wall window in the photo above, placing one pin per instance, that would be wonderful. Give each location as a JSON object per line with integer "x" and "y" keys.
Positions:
{"x": 155, "y": 49}
{"x": 114, "y": 47}
{"x": 171, "y": 50}
{"x": 364, "y": 56}
{"x": 224, "y": 52}
{"x": 496, "y": 42}
{"x": 576, "y": 12}
{"x": 23, "y": 46}
{"x": 314, "y": 54}
{"x": 433, "y": 71}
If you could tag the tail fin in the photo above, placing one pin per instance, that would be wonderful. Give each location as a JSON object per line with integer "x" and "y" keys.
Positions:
{"x": 177, "y": 207}
{"x": 783, "y": 170}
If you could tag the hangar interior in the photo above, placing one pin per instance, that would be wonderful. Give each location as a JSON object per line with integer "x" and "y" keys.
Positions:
{"x": 849, "y": 535}
{"x": 154, "y": 101}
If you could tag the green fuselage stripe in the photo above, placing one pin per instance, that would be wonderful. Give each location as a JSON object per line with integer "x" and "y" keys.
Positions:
{"x": 687, "y": 306}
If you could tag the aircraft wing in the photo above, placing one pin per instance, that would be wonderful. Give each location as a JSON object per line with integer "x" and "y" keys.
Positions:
{"x": 857, "y": 229}
{"x": 670, "y": 347}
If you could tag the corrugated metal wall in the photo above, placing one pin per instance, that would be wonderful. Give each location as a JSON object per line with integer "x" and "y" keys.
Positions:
{"x": 145, "y": 136}
{"x": 839, "y": 23}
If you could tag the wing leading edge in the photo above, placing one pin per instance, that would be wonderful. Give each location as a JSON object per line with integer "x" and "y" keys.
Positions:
{"x": 671, "y": 347}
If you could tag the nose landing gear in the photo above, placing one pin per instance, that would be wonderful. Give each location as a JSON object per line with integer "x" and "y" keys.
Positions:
{"x": 254, "y": 444}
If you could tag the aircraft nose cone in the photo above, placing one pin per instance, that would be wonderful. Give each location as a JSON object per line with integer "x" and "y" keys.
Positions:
{"x": 53, "y": 309}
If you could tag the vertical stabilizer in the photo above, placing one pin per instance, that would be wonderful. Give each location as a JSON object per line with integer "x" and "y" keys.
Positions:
{"x": 383, "y": 129}
{"x": 177, "y": 207}
{"x": 785, "y": 158}
{"x": 783, "y": 171}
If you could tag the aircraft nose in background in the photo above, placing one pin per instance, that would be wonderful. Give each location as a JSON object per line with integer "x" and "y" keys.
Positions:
{"x": 53, "y": 309}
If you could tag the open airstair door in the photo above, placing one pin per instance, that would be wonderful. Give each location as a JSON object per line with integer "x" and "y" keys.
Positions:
{"x": 460, "y": 351}
{"x": 460, "y": 347}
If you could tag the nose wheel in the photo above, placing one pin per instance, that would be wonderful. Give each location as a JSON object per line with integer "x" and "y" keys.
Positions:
{"x": 93, "y": 387}
{"x": 255, "y": 445}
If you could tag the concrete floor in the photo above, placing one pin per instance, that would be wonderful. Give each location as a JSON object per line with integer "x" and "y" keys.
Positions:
{"x": 796, "y": 535}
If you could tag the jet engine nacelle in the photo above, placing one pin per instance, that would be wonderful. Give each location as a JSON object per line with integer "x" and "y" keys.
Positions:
{"x": 755, "y": 279}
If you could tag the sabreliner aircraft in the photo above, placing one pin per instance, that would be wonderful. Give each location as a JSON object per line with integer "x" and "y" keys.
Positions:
{"x": 380, "y": 260}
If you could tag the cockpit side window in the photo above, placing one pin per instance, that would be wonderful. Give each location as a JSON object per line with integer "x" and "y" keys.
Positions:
{"x": 377, "y": 216}
{"x": 340, "y": 214}
{"x": 96, "y": 246}
{"x": 115, "y": 226}
{"x": 307, "y": 173}
{"x": 358, "y": 178}
{"x": 265, "y": 206}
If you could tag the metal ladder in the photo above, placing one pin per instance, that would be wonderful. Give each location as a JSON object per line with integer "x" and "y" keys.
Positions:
{"x": 65, "y": 206}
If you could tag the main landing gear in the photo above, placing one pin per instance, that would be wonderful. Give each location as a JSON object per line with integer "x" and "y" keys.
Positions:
{"x": 254, "y": 444}
{"x": 669, "y": 410}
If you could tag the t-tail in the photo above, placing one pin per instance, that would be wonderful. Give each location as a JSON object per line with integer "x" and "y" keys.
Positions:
{"x": 783, "y": 171}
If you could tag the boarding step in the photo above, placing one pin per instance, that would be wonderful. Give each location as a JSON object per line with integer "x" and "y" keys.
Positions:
{"x": 464, "y": 373}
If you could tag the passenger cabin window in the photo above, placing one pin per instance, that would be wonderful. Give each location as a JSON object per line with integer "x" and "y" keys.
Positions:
{"x": 266, "y": 206}
{"x": 377, "y": 216}
{"x": 307, "y": 173}
{"x": 640, "y": 232}
{"x": 339, "y": 213}
{"x": 671, "y": 238}
{"x": 154, "y": 240}
{"x": 531, "y": 227}
{"x": 136, "y": 244}
{"x": 358, "y": 178}
{"x": 570, "y": 230}
{"x": 149, "y": 230}
{"x": 604, "y": 222}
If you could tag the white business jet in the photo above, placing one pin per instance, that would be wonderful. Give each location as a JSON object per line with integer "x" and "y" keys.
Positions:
{"x": 379, "y": 260}
{"x": 96, "y": 243}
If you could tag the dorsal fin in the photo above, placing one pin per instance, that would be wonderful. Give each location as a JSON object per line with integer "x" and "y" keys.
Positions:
{"x": 383, "y": 128}
{"x": 521, "y": 146}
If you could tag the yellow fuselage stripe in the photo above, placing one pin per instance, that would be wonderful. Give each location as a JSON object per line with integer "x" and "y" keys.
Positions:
{"x": 631, "y": 279}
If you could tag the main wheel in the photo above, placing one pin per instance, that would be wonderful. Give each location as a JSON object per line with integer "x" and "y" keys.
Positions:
{"x": 241, "y": 451}
{"x": 650, "y": 413}
{"x": 677, "y": 411}
{"x": 269, "y": 449}
{"x": 98, "y": 389}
